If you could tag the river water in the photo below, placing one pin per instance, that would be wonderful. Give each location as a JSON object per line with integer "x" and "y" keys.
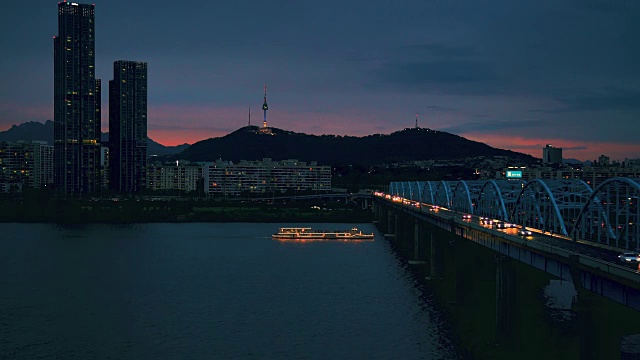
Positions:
{"x": 209, "y": 291}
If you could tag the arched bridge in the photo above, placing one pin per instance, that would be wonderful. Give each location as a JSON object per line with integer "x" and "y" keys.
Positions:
{"x": 607, "y": 215}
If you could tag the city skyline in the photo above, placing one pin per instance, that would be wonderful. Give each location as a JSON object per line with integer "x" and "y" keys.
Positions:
{"x": 544, "y": 74}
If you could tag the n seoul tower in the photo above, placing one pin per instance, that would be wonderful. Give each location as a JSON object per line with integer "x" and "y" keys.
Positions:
{"x": 265, "y": 107}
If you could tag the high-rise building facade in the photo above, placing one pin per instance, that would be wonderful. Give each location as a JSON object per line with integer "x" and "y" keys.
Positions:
{"x": 76, "y": 101}
{"x": 551, "y": 155}
{"x": 128, "y": 126}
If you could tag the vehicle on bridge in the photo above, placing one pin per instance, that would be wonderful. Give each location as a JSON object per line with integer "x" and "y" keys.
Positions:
{"x": 525, "y": 232}
{"x": 629, "y": 257}
{"x": 504, "y": 225}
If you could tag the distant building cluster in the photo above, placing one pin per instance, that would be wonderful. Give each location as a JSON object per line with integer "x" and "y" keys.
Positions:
{"x": 265, "y": 176}
{"x": 25, "y": 163}
{"x": 594, "y": 174}
{"x": 179, "y": 175}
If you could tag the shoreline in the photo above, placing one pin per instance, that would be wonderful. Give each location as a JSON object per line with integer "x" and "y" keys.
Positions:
{"x": 138, "y": 212}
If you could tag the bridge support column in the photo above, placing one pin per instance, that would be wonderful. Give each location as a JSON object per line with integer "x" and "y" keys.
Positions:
{"x": 406, "y": 242}
{"x": 416, "y": 256}
{"x": 435, "y": 258}
{"x": 390, "y": 222}
{"x": 374, "y": 208}
{"x": 416, "y": 240}
{"x": 600, "y": 331}
{"x": 504, "y": 299}
{"x": 397, "y": 229}
{"x": 459, "y": 272}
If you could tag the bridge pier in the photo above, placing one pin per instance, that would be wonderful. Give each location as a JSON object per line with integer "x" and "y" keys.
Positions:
{"x": 397, "y": 228}
{"x": 388, "y": 223}
{"x": 504, "y": 299}
{"x": 407, "y": 240}
{"x": 596, "y": 341}
{"x": 599, "y": 328}
{"x": 459, "y": 277}
{"x": 417, "y": 247}
{"x": 416, "y": 254}
{"x": 435, "y": 258}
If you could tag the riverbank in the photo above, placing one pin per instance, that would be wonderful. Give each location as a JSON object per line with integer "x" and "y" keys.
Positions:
{"x": 133, "y": 211}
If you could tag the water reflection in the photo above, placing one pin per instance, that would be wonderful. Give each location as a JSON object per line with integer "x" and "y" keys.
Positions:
{"x": 630, "y": 347}
{"x": 558, "y": 297}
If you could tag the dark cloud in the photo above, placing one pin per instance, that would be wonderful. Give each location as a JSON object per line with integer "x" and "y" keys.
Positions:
{"x": 610, "y": 99}
{"x": 426, "y": 75}
{"x": 441, "y": 108}
{"x": 436, "y": 50}
{"x": 615, "y": 99}
{"x": 614, "y": 6}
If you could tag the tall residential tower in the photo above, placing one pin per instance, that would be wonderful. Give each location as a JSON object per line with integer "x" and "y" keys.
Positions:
{"x": 76, "y": 99}
{"x": 128, "y": 126}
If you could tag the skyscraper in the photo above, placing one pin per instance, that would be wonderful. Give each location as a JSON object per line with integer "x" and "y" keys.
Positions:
{"x": 551, "y": 155}
{"x": 128, "y": 126}
{"x": 76, "y": 101}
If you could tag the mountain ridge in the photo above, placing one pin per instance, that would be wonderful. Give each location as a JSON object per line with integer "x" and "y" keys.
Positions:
{"x": 411, "y": 144}
{"x": 248, "y": 143}
{"x": 37, "y": 131}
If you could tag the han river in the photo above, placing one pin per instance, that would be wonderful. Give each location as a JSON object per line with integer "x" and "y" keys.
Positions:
{"x": 209, "y": 291}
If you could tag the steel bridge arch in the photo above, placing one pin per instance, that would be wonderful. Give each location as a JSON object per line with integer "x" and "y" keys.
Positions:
{"x": 406, "y": 190}
{"x": 610, "y": 216}
{"x": 416, "y": 190}
{"x": 394, "y": 188}
{"x": 429, "y": 192}
{"x": 465, "y": 195}
{"x": 497, "y": 198}
{"x": 443, "y": 193}
{"x": 551, "y": 205}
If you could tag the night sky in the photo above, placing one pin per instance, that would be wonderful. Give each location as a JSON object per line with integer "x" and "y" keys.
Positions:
{"x": 513, "y": 74}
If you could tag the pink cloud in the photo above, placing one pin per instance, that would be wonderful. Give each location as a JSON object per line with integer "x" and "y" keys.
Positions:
{"x": 15, "y": 114}
{"x": 581, "y": 150}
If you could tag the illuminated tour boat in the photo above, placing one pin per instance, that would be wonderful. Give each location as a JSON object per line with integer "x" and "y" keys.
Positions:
{"x": 305, "y": 233}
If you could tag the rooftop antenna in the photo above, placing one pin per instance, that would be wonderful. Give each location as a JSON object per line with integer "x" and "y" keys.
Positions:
{"x": 416, "y": 121}
{"x": 249, "y": 116}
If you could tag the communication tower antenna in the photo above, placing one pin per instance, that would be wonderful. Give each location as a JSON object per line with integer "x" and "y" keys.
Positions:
{"x": 265, "y": 107}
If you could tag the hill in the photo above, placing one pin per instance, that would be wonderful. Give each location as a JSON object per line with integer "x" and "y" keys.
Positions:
{"x": 33, "y": 130}
{"x": 413, "y": 144}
